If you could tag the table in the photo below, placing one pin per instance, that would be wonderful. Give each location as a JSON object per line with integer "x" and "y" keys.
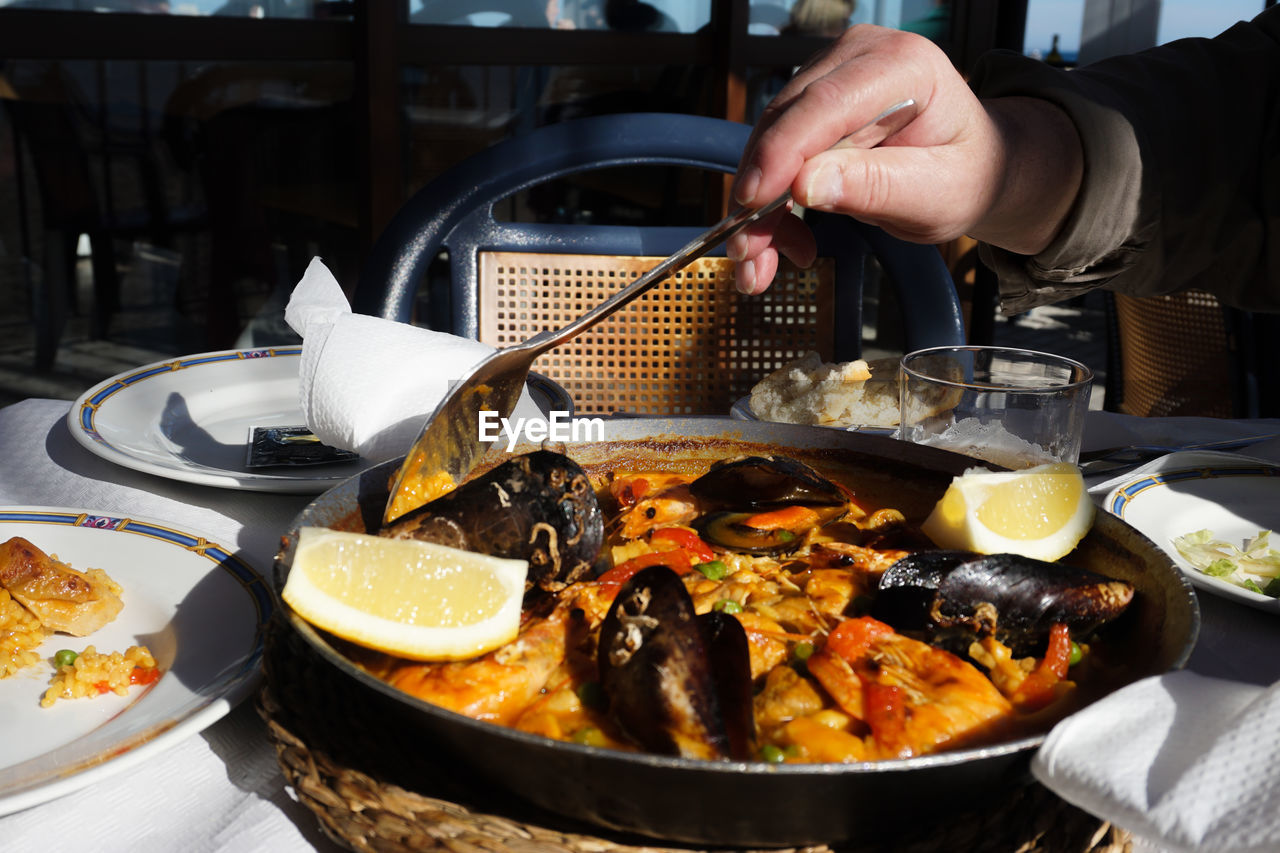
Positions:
{"x": 222, "y": 791}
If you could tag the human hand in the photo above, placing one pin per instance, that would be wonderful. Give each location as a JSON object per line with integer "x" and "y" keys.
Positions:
{"x": 960, "y": 167}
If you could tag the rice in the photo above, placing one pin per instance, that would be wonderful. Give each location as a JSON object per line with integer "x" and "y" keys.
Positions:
{"x": 20, "y": 635}
{"x": 94, "y": 674}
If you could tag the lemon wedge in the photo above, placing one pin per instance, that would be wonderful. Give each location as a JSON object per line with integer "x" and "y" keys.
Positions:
{"x": 413, "y": 599}
{"x": 1040, "y": 512}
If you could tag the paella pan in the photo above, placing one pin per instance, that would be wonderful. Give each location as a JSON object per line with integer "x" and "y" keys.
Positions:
{"x": 749, "y": 801}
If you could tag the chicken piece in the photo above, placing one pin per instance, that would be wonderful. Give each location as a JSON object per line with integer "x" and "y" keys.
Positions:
{"x": 63, "y": 599}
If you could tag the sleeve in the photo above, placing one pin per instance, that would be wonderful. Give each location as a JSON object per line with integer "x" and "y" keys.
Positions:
{"x": 1181, "y": 171}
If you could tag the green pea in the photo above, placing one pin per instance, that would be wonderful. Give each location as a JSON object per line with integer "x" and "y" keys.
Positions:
{"x": 778, "y": 754}
{"x": 727, "y": 605}
{"x": 590, "y": 736}
{"x": 1076, "y": 655}
{"x": 802, "y": 650}
{"x": 64, "y": 657}
{"x": 713, "y": 569}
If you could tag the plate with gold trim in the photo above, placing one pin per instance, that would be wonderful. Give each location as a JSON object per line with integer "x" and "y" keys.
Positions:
{"x": 190, "y": 418}
{"x": 1233, "y": 499}
{"x": 199, "y": 609}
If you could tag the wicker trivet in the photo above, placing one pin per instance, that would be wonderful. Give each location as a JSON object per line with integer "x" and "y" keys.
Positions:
{"x": 339, "y": 757}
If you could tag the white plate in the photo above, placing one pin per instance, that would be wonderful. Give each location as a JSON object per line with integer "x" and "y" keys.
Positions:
{"x": 189, "y": 419}
{"x": 1235, "y": 502}
{"x": 199, "y": 609}
{"x": 741, "y": 410}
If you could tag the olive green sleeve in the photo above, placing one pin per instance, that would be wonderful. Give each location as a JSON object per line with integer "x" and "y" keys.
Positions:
{"x": 1181, "y": 182}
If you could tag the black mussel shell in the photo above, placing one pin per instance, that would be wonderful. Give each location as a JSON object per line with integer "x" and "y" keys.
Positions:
{"x": 764, "y": 482}
{"x": 730, "y": 530}
{"x": 954, "y": 597}
{"x": 669, "y": 674}
{"x": 538, "y": 507}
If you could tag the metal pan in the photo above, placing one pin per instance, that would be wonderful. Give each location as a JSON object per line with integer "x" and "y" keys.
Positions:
{"x": 757, "y": 804}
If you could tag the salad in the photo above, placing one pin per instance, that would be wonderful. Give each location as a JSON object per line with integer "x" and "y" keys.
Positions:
{"x": 1256, "y": 566}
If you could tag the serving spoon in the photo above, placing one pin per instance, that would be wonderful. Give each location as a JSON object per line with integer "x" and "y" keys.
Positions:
{"x": 450, "y": 442}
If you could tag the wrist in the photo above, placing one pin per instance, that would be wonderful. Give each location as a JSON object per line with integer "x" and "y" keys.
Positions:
{"x": 1040, "y": 169}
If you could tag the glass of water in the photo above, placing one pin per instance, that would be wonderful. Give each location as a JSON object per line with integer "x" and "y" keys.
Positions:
{"x": 1011, "y": 407}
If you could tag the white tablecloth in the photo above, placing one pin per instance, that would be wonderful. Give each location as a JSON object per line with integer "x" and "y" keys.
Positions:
{"x": 222, "y": 791}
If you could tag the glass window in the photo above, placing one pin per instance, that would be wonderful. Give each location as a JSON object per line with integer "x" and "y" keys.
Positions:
{"x": 318, "y": 9}
{"x": 670, "y": 16}
{"x": 1183, "y": 18}
{"x": 931, "y": 18}
{"x": 1062, "y": 21}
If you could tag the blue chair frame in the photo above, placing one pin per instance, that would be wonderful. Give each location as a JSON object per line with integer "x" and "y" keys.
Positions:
{"x": 455, "y": 211}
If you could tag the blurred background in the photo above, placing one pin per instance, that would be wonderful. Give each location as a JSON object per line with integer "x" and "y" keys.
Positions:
{"x": 167, "y": 169}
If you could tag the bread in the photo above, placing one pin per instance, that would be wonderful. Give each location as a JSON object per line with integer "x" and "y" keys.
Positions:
{"x": 808, "y": 391}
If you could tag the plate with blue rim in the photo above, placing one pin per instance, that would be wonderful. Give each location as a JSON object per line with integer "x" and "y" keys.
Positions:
{"x": 190, "y": 419}
{"x": 200, "y": 610}
{"x": 1233, "y": 499}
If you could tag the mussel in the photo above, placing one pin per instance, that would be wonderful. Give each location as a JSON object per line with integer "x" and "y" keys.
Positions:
{"x": 954, "y": 597}
{"x": 677, "y": 683}
{"x": 538, "y": 507}
{"x": 764, "y": 505}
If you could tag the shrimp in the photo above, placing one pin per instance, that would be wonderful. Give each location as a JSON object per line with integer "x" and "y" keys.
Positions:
{"x": 914, "y": 698}
{"x": 497, "y": 686}
{"x": 652, "y": 500}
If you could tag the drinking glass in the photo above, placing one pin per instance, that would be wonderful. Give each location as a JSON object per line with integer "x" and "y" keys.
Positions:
{"x": 1011, "y": 407}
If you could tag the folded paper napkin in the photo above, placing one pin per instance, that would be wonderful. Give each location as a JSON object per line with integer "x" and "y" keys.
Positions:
{"x": 367, "y": 384}
{"x": 1184, "y": 761}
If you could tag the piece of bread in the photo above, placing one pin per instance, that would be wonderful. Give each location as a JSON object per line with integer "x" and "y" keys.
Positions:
{"x": 808, "y": 391}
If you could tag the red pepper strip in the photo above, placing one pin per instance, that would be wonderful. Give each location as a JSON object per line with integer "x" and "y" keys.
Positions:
{"x": 886, "y": 714}
{"x": 684, "y": 539}
{"x": 1037, "y": 689}
{"x": 144, "y": 675}
{"x": 853, "y": 637}
{"x": 678, "y": 561}
{"x": 788, "y": 518}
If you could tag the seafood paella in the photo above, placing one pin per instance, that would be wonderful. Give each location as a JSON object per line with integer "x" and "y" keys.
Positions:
{"x": 753, "y": 608}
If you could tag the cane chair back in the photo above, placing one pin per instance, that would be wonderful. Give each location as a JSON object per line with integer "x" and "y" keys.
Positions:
{"x": 1175, "y": 357}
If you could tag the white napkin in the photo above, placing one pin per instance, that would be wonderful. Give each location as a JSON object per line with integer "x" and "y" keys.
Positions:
{"x": 1185, "y": 761}
{"x": 367, "y": 384}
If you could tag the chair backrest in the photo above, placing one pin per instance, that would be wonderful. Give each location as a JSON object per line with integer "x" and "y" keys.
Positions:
{"x": 818, "y": 309}
{"x": 1173, "y": 355}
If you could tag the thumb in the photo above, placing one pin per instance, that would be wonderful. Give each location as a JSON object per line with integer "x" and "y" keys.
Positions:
{"x": 905, "y": 190}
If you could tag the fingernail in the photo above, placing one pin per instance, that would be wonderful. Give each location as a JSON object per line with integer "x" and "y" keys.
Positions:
{"x": 747, "y": 184}
{"x": 824, "y": 187}
{"x": 736, "y": 247}
{"x": 746, "y": 279}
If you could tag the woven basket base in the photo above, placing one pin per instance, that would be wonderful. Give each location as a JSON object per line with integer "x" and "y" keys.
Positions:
{"x": 334, "y": 753}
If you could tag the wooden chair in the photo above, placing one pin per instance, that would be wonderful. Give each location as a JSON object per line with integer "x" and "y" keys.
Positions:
{"x": 691, "y": 346}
